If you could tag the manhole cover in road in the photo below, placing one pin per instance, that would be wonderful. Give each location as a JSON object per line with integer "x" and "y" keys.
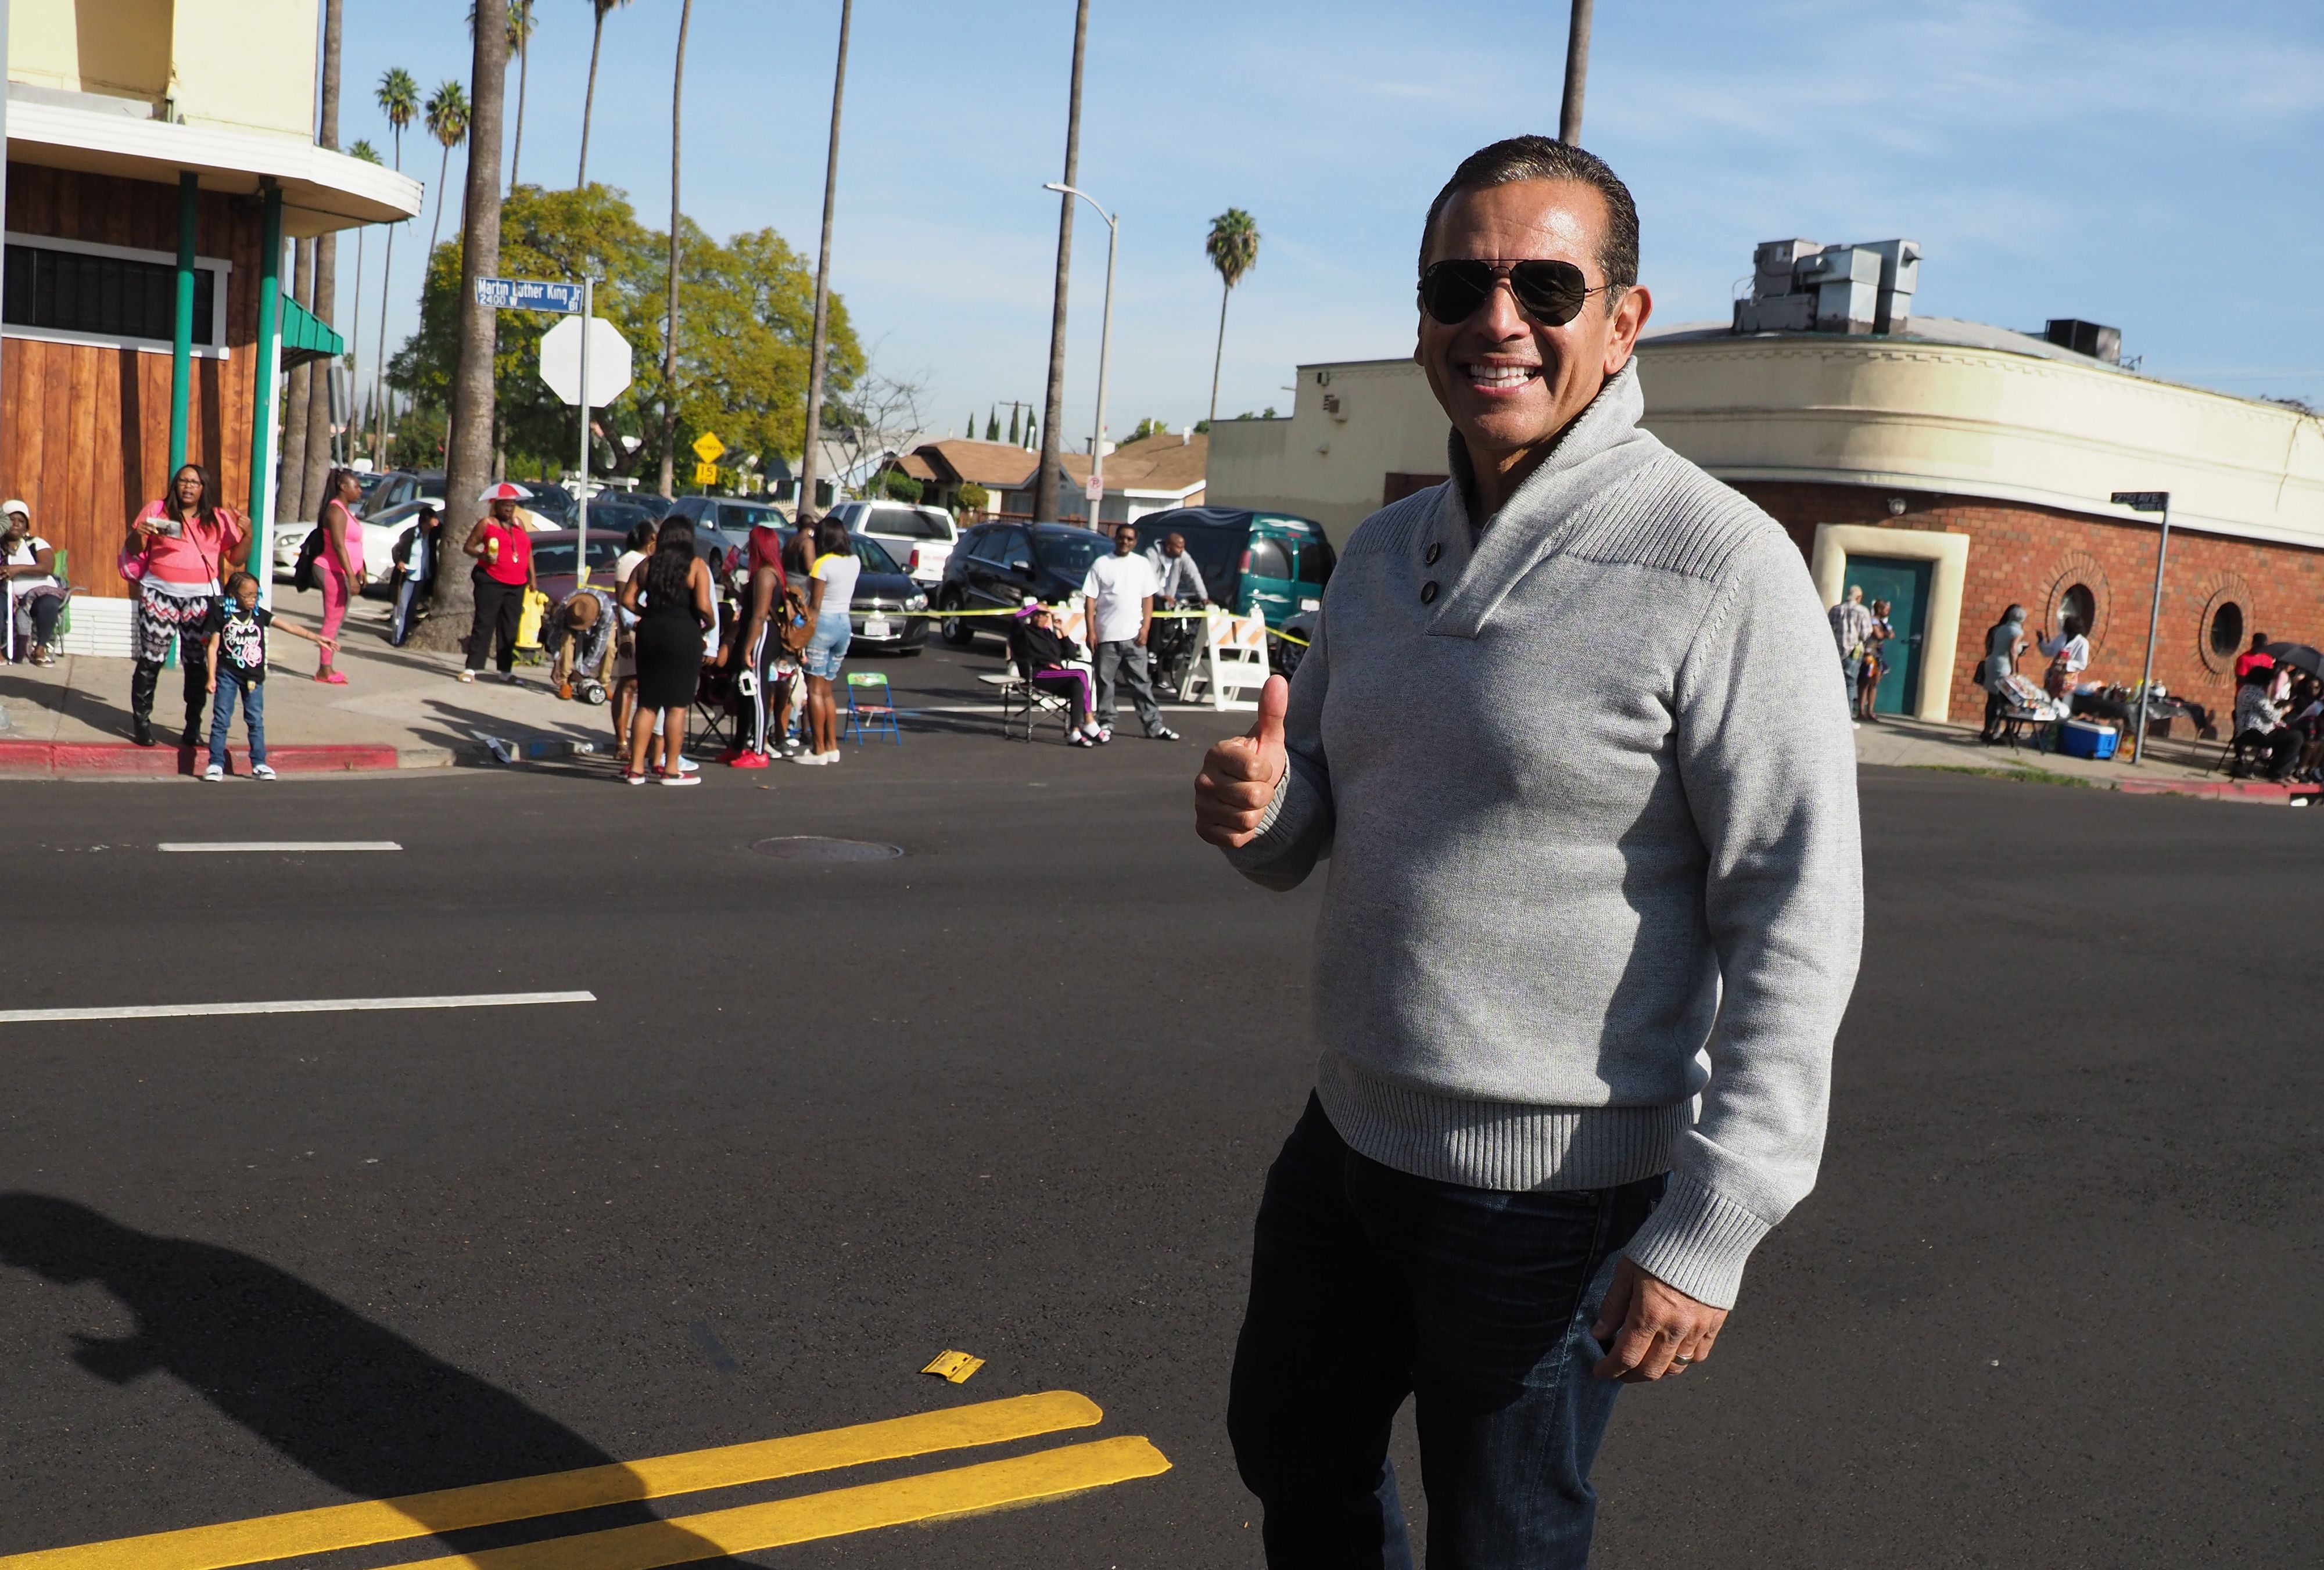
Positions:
{"x": 815, "y": 847}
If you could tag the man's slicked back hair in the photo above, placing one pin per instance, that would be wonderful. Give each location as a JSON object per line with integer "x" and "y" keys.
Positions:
{"x": 1543, "y": 157}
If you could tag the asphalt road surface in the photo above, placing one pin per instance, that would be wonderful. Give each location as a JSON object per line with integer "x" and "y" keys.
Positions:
{"x": 1012, "y": 1093}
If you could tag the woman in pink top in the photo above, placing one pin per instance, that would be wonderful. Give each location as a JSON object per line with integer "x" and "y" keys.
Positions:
{"x": 340, "y": 567}
{"x": 177, "y": 551}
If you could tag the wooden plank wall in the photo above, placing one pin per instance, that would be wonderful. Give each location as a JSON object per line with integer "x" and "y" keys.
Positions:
{"x": 83, "y": 429}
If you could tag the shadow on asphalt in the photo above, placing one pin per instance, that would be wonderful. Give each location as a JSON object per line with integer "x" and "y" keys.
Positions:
{"x": 348, "y": 1399}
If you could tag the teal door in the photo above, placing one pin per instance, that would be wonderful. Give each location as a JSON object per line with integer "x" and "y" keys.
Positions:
{"x": 1905, "y": 586}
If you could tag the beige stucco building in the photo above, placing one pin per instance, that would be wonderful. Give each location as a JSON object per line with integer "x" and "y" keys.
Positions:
{"x": 1975, "y": 460}
{"x": 155, "y": 144}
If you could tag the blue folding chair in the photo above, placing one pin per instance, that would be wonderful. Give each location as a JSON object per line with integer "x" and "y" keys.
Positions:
{"x": 867, "y": 718}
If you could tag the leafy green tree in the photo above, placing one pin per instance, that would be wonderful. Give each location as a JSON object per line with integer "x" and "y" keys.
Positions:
{"x": 974, "y": 498}
{"x": 992, "y": 425}
{"x": 898, "y": 486}
{"x": 1148, "y": 426}
{"x": 743, "y": 336}
{"x": 1013, "y": 426}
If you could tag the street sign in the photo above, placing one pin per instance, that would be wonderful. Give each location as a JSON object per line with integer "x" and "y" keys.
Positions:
{"x": 609, "y": 360}
{"x": 706, "y": 474}
{"x": 2143, "y": 500}
{"x": 709, "y": 448}
{"x": 528, "y": 294}
{"x": 1095, "y": 490}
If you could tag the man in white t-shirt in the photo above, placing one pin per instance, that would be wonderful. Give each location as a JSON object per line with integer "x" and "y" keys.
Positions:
{"x": 1120, "y": 590}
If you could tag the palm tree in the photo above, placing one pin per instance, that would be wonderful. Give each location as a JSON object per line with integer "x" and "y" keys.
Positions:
{"x": 447, "y": 123}
{"x": 362, "y": 150}
{"x": 677, "y": 222}
{"x": 589, "y": 98}
{"x": 1233, "y": 249}
{"x": 469, "y": 427}
{"x": 399, "y": 100}
{"x": 520, "y": 32}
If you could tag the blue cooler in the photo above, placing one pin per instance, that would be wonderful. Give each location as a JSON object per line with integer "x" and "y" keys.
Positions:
{"x": 2080, "y": 739}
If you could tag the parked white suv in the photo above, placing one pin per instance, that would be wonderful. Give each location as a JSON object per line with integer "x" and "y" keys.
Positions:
{"x": 921, "y": 538}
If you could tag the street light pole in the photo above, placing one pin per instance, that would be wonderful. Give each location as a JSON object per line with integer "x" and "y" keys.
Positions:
{"x": 1104, "y": 342}
{"x": 2149, "y": 501}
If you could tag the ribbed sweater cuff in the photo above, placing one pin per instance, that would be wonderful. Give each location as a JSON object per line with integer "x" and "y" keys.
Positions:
{"x": 1697, "y": 1241}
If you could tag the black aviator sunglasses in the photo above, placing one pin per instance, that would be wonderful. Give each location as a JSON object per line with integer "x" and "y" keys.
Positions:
{"x": 1550, "y": 292}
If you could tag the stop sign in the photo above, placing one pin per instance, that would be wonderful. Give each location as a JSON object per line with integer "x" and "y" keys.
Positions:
{"x": 609, "y": 361}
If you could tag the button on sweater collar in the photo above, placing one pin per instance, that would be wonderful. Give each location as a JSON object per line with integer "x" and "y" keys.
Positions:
{"x": 1599, "y": 450}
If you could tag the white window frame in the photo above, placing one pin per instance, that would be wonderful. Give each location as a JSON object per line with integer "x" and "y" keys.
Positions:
{"x": 218, "y": 265}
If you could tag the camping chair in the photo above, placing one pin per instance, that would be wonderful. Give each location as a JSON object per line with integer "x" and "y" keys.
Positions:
{"x": 867, "y": 718}
{"x": 64, "y": 614}
{"x": 713, "y": 714}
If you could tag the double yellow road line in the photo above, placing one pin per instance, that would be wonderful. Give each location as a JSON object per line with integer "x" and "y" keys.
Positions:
{"x": 743, "y": 1528}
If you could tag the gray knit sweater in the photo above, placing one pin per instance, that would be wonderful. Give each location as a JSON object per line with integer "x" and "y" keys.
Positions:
{"x": 1588, "y": 793}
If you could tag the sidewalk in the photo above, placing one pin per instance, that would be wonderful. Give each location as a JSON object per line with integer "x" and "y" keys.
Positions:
{"x": 2173, "y": 767}
{"x": 401, "y": 709}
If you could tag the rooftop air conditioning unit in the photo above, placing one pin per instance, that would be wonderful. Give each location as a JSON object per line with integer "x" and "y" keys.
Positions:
{"x": 2099, "y": 343}
{"x": 1847, "y": 283}
{"x": 1774, "y": 263}
{"x": 1791, "y": 313}
{"x": 1900, "y": 278}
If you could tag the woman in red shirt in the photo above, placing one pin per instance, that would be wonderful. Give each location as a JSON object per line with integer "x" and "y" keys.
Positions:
{"x": 178, "y": 550}
{"x": 504, "y": 573}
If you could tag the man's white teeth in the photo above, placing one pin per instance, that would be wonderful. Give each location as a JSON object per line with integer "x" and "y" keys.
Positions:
{"x": 1503, "y": 375}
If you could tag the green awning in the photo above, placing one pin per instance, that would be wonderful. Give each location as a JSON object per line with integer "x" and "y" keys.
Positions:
{"x": 305, "y": 337}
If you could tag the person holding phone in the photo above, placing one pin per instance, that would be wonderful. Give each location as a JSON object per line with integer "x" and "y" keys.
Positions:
{"x": 177, "y": 551}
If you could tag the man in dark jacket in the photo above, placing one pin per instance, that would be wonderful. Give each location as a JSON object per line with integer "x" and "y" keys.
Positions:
{"x": 1045, "y": 657}
{"x": 414, "y": 555}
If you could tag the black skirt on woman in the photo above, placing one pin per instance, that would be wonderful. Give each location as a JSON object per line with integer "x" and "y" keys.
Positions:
{"x": 670, "y": 657}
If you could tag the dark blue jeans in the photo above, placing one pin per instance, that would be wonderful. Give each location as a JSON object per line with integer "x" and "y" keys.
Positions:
{"x": 254, "y": 707}
{"x": 1368, "y": 1284}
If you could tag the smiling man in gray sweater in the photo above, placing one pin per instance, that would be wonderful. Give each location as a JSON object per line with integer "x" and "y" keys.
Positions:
{"x": 1568, "y": 737}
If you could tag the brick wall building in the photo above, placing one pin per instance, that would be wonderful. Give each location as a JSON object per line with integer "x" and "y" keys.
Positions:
{"x": 1969, "y": 463}
{"x": 2217, "y": 592}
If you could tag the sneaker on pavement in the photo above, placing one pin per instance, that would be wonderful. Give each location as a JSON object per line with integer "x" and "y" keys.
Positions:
{"x": 681, "y": 779}
{"x": 811, "y": 759}
{"x": 629, "y": 779}
{"x": 214, "y": 772}
{"x": 747, "y": 760}
{"x": 261, "y": 771}
{"x": 687, "y": 766}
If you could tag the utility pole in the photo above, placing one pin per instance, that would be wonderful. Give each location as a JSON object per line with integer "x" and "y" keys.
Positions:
{"x": 1104, "y": 350}
{"x": 1577, "y": 75}
{"x": 315, "y": 451}
{"x": 1053, "y": 408}
{"x": 819, "y": 350}
{"x": 677, "y": 226}
{"x": 2149, "y": 501}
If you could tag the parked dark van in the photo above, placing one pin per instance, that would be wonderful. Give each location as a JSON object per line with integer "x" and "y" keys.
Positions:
{"x": 1271, "y": 563}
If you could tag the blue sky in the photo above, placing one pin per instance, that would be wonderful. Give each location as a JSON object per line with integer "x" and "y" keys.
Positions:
{"x": 2146, "y": 164}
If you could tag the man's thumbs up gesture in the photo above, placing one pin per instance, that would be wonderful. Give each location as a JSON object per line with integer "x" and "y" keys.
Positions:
{"x": 1239, "y": 773}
